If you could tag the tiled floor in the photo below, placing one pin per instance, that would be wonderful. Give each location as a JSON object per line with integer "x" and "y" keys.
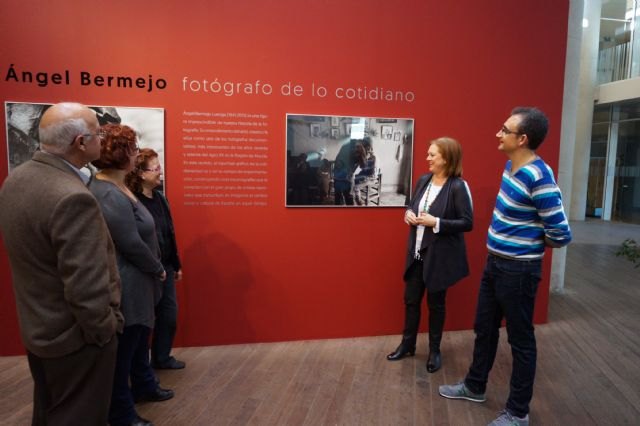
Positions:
{"x": 597, "y": 231}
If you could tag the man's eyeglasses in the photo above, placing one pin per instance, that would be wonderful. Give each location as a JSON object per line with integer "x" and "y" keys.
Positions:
{"x": 508, "y": 132}
{"x": 158, "y": 168}
{"x": 97, "y": 134}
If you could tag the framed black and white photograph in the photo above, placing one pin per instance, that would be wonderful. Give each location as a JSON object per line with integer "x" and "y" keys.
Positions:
{"x": 347, "y": 129}
{"x": 23, "y": 119}
{"x": 386, "y": 132}
{"x": 362, "y": 167}
{"x": 335, "y": 121}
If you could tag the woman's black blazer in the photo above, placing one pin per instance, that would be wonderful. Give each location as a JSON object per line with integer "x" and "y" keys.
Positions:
{"x": 444, "y": 254}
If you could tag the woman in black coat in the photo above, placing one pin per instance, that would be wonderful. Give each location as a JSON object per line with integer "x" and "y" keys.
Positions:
{"x": 144, "y": 181}
{"x": 438, "y": 214}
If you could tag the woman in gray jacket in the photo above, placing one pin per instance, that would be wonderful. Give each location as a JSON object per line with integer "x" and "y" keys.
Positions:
{"x": 133, "y": 232}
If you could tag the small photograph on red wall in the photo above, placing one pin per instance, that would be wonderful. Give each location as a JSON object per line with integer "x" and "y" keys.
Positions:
{"x": 336, "y": 161}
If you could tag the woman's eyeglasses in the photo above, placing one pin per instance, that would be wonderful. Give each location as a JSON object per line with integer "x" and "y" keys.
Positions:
{"x": 156, "y": 169}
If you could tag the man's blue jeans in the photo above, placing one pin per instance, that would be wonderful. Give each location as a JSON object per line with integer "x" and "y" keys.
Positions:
{"x": 507, "y": 290}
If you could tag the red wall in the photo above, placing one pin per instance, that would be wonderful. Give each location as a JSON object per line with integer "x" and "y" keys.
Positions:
{"x": 272, "y": 273}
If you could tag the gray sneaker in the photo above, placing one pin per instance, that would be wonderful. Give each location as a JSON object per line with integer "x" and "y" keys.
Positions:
{"x": 460, "y": 391}
{"x": 505, "y": 418}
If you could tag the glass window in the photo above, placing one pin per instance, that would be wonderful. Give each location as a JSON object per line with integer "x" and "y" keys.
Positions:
{"x": 602, "y": 113}
{"x": 615, "y": 180}
{"x": 635, "y": 49}
{"x": 597, "y": 168}
{"x": 626, "y": 199}
{"x": 630, "y": 110}
{"x": 618, "y": 50}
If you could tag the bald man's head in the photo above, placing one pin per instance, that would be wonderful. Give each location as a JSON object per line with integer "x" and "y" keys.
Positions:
{"x": 62, "y": 123}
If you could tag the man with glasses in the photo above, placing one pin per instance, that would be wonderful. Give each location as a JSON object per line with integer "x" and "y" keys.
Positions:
{"x": 528, "y": 216}
{"x": 65, "y": 278}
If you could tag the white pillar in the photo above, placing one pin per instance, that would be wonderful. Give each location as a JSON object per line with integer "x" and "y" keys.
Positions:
{"x": 568, "y": 129}
{"x": 584, "y": 116}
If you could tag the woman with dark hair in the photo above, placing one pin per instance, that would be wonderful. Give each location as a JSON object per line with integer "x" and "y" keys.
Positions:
{"x": 438, "y": 214}
{"x": 144, "y": 180}
{"x": 141, "y": 272}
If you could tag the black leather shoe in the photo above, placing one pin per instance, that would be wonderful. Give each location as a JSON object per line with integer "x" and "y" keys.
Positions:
{"x": 140, "y": 421}
{"x": 434, "y": 362}
{"x": 400, "y": 352}
{"x": 172, "y": 364}
{"x": 159, "y": 394}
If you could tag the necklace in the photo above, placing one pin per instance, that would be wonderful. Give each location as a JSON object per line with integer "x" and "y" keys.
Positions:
{"x": 427, "y": 204}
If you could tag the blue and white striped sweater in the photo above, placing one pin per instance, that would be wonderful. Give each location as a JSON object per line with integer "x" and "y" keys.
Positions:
{"x": 528, "y": 208}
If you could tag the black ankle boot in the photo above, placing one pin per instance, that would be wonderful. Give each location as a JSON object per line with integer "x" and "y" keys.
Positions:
{"x": 434, "y": 362}
{"x": 401, "y": 351}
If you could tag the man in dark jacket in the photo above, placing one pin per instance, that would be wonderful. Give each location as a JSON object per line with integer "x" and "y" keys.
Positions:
{"x": 65, "y": 278}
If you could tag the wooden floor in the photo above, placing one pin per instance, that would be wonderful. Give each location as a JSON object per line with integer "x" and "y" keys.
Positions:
{"x": 588, "y": 369}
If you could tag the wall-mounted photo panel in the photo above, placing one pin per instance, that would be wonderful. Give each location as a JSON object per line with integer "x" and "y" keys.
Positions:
{"x": 23, "y": 118}
{"x": 361, "y": 167}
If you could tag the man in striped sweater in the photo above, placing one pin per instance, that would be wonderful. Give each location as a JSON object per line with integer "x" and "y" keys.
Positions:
{"x": 528, "y": 217}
